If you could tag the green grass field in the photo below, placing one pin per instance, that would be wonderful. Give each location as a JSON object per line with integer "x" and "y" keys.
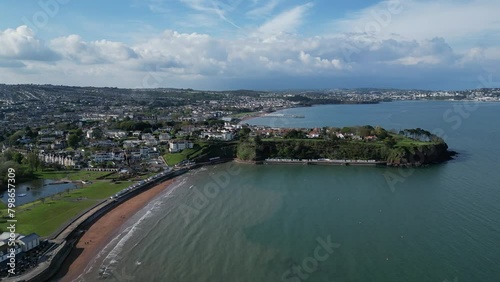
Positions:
{"x": 45, "y": 216}
{"x": 402, "y": 141}
{"x": 70, "y": 174}
{"x": 173, "y": 159}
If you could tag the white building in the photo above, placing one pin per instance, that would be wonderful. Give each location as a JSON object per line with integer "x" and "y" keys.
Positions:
{"x": 57, "y": 159}
{"x": 59, "y": 133}
{"x": 224, "y": 135}
{"x": 107, "y": 157}
{"x": 22, "y": 244}
{"x": 179, "y": 145}
{"x": 116, "y": 134}
{"x": 131, "y": 143}
{"x": 89, "y": 134}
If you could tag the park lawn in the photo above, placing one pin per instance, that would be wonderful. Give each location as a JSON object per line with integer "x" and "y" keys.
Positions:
{"x": 412, "y": 144}
{"x": 173, "y": 159}
{"x": 71, "y": 174}
{"x": 46, "y": 217}
{"x": 98, "y": 190}
{"x": 403, "y": 141}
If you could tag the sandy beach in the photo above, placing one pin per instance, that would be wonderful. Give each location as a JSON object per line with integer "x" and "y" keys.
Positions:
{"x": 103, "y": 231}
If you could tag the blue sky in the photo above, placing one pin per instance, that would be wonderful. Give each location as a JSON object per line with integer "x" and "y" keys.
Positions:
{"x": 257, "y": 44}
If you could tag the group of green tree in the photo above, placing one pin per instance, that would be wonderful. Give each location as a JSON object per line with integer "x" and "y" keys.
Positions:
{"x": 421, "y": 135}
{"x": 24, "y": 164}
{"x": 302, "y": 149}
{"x": 294, "y": 145}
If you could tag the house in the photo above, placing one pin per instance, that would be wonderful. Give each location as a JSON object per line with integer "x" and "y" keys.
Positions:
{"x": 24, "y": 140}
{"x": 148, "y": 136}
{"x": 131, "y": 143}
{"x": 59, "y": 144}
{"x": 315, "y": 133}
{"x": 116, "y": 134}
{"x": 164, "y": 137}
{"x": 58, "y": 159}
{"x": 47, "y": 139}
{"x": 44, "y": 132}
{"x": 149, "y": 153}
{"x": 179, "y": 145}
{"x": 107, "y": 157}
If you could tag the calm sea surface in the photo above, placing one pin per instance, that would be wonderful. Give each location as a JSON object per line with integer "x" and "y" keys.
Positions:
{"x": 270, "y": 223}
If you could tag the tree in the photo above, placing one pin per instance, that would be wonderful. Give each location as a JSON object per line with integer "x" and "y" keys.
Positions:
{"x": 295, "y": 134}
{"x": 346, "y": 130}
{"x": 8, "y": 155}
{"x": 4, "y": 168}
{"x": 244, "y": 132}
{"x": 258, "y": 140}
{"x": 73, "y": 140}
{"x": 79, "y": 132}
{"x": 29, "y": 132}
{"x": 18, "y": 157}
{"x": 14, "y": 137}
{"x": 381, "y": 133}
{"x": 33, "y": 161}
{"x": 365, "y": 131}
{"x": 97, "y": 133}
{"x": 390, "y": 142}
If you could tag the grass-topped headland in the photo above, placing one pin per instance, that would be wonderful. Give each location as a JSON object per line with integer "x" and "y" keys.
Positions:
{"x": 407, "y": 147}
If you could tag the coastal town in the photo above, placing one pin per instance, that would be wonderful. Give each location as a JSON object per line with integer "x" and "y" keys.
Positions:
{"x": 127, "y": 139}
{"x": 142, "y": 130}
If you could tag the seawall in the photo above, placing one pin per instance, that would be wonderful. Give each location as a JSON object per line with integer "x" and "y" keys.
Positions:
{"x": 68, "y": 237}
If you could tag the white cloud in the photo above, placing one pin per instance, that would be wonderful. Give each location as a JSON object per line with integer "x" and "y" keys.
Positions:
{"x": 102, "y": 51}
{"x": 22, "y": 44}
{"x": 286, "y": 22}
{"x": 460, "y": 22}
{"x": 217, "y": 8}
{"x": 263, "y": 10}
{"x": 173, "y": 59}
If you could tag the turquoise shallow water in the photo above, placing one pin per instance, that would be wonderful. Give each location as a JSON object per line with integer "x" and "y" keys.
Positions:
{"x": 238, "y": 222}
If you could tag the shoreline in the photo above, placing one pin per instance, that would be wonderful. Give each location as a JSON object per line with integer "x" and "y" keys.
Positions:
{"x": 101, "y": 232}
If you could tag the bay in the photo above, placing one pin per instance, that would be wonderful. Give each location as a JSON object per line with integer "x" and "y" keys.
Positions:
{"x": 236, "y": 222}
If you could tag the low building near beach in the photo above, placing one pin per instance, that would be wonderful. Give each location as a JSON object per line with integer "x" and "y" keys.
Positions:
{"x": 21, "y": 243}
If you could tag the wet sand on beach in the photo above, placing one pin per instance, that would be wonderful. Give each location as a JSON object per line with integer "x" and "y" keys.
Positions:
{"x": 103, "y": 231}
